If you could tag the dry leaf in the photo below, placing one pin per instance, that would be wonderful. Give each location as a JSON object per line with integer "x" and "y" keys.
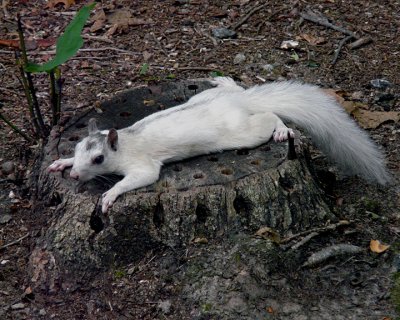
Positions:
{"x": 45, "y": 43}
{"x": 268, "y": 233}
{"x": 334, "y": 94}
{"x": 377, "y": 246}
{"x": 365, "y": 118}
{"x": 9, "y": 43}
{"x": 67, "y": 3}
{"x": 312, "y": 40}
{"x": 99, "y": 20}
{"x": 201, "y": 240}
{"x": 372, "y": 119}
{"x": 149, "y": 103}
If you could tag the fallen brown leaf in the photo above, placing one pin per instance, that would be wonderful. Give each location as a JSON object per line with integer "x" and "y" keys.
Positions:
{"x": 99, "y": 20}
{"x": 201, "y": 240}
{"x": 312, "y": 39}
{"x": 372, "y": 119}
{"x": 377, "y": 246}
{"x": 67, "y": 3}
{"x": 268, "y": 233}
{"x": 9, "y": 43}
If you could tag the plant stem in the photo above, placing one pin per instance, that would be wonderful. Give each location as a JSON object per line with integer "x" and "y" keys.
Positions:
{"x": 9, "y": 123}
{"x": 28, "y": 79}
{"x": 28, "y": 97}
{"x": 59, "y": 84}
{"x": 53, "y": 97}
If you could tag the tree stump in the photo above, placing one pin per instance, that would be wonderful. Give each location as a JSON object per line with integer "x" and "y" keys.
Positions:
{"x": 211, "y": 196}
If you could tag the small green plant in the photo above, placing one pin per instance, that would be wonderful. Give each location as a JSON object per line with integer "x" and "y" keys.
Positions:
{"x": 215, "y": 74}
{"x": 67, "y": 46}
{"x": 206, "y": 307}
{"x": 118, "y": 274}
{"x": 143, "y": 69}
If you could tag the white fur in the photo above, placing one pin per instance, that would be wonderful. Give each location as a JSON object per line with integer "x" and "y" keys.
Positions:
{"x": 221, "y": 118}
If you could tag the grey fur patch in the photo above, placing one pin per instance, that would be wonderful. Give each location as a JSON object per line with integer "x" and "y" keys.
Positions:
{"x": 95, "y": 140}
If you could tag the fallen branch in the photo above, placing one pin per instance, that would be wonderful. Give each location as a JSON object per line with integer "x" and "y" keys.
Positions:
{"x": 14, "y": 128}
{"x": 309, "y": 234}
{"x": 14, "y": 242}
{"x": 197, "y": 69}
{"x": 339, "y": 48}
{"x": 320, "y": 19}
{"x": 331, "y": 252}
{"x": 247, "y": 16}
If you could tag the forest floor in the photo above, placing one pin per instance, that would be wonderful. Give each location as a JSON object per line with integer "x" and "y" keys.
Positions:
{"x": 132, "y": 43}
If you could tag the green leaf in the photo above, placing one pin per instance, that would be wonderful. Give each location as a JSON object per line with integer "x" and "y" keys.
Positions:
{"x": 215, "y": 74}
{"x": 143, "y": 69}
{"x": 312, "y": 64}
{"x": 68, "y": 44}
{"x": 295, "y": 56}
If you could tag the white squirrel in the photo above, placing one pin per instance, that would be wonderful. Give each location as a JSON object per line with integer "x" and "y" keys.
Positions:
{"x": 222, "y": 118}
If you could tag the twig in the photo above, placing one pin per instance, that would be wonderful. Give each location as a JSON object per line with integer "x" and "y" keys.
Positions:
{"x": 96, "y": 38}
{"x": 50, "y": 52}
{"x": 14, "y": 242}
{"x": 12, "y": 126}
{"x": 4, "y": 5}
{"x": 304, "y": 240}
{"x": 337, "y": 51}
{"x": 204, "y": 33}
{"x": 316, "y": 230}
{"x": 197, "y": 69}
{"x": 359, "y": 43}
{"x": 320, "y": 19}
{"x": 159, "y": 44}
{"x": 247, "y": 16}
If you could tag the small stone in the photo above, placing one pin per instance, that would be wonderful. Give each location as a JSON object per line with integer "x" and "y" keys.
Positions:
{"x": 18, "y": 306}
{"x": 290, "y": 307}
{"x": 8, "y": 167}
{"x": 42, "y": 312}
{"x": 165, "y": 306}
{"x": 386, "y": 100}
{"x": 239, "y": 58}
{"x": 268, "y": 67}
{"x": 289, "y": 44}
{"x": 380, "y": 83}
{"x": 223, "y": 33}
{"x": 5, "y": 218}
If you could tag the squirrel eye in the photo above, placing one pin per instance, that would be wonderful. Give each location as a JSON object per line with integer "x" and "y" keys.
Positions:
{"x": 98, "y": 159}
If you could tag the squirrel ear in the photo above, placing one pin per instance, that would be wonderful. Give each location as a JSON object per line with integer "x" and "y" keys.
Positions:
{"x": 92, "y": 126}
{"x": 112, "y": 139}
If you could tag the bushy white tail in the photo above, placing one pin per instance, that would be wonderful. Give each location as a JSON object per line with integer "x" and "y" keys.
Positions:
{"x": 332, "y": 130}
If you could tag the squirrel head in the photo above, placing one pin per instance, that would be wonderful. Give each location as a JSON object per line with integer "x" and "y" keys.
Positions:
{"x": 94, "y": 154}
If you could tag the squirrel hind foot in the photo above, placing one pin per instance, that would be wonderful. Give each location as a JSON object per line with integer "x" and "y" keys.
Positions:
{"x": 282, "y": 134}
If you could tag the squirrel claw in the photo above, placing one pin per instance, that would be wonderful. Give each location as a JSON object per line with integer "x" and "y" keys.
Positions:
{"x": 282, "y": 134}
{"x": 108, "y": 201}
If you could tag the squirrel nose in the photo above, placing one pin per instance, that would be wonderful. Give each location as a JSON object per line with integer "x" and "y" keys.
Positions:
{"x": 74, "y": 175}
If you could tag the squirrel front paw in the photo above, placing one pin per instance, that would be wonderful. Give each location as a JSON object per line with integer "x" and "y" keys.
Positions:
{"x": 108, "y": 200}
{"x": 60, "y": 165}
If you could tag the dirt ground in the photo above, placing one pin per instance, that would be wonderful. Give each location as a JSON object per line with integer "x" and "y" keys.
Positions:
{"x": 175, "y": 40}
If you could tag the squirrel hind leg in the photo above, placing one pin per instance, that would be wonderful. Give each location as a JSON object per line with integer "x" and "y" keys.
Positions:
{"x": 282, "y": 132}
